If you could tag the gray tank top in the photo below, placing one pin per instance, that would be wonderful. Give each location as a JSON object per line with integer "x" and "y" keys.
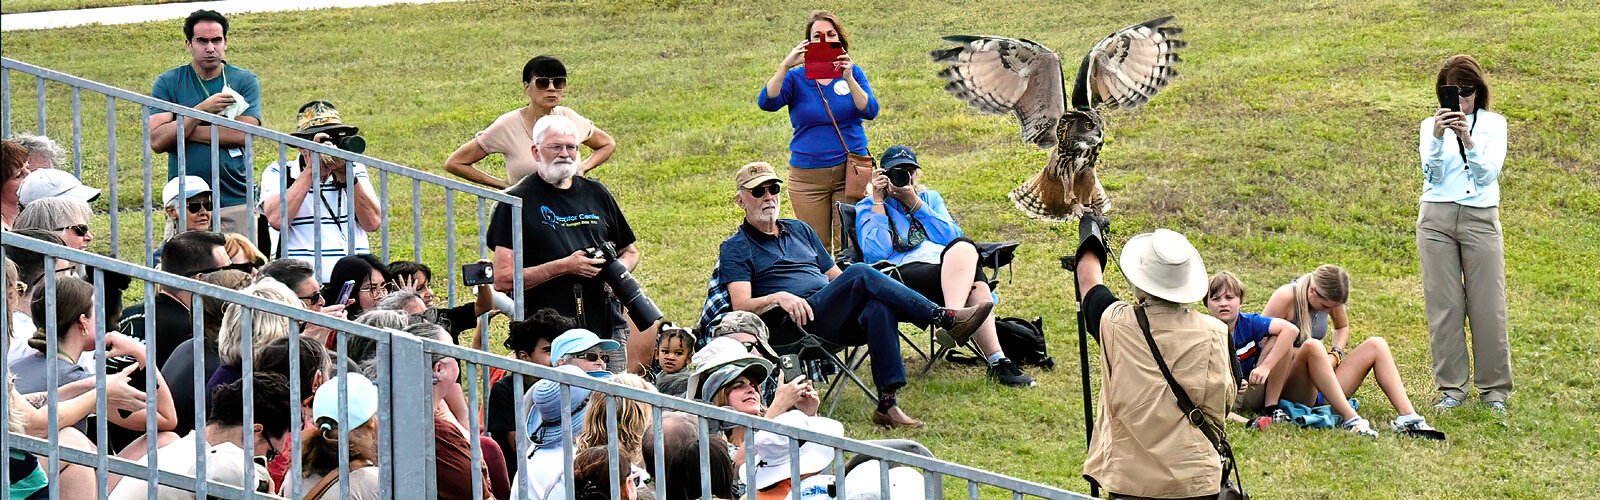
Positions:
{"x": 1319, "y": 319}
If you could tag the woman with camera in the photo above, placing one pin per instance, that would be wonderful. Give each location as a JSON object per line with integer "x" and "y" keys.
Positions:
{"x": 544, "y": 80}
{"x": 906, "y": 224}
{"x": 827, "y": 115}
{"x": 1463, "y": 146}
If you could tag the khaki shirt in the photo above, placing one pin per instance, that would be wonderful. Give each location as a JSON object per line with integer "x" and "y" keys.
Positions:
{"x": 1143, "y": 446}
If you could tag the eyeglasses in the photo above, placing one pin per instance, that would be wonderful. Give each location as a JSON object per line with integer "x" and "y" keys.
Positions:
{"x": 748, "y": 346}
{"x": 570, "y": 148}
{"x": 592, "y": 357}
{"x": 375, "y": 288}
{"x": 1463, "y": 90}
{"x": 197, "y": 206}
{"x": 556, "y": 83}
{"x": 82, "y": 230}
{"x": 762, "y": 190}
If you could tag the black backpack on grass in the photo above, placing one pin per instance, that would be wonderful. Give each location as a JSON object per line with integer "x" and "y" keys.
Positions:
{"x": 1022, "y": 340}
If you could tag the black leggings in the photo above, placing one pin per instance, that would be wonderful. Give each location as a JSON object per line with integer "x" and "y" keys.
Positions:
{"x": 925, "y": 278}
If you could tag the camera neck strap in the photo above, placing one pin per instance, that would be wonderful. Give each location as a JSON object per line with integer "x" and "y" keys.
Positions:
{"x": 1190, "y": 412}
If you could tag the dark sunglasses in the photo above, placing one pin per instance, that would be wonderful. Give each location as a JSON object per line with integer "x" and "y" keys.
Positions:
{"x": 553, "y": 83}
{"x": 81, "y": 230}
{"x": 196, "y": 206}
{"x": 1463, "y": 90}
{"x": 315, "y": 299}
{"x": 762, "y": 190}
{"x": 593, "y": 357}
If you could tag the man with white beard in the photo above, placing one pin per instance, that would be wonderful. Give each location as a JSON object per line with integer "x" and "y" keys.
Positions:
{"x": 565, "y": 218}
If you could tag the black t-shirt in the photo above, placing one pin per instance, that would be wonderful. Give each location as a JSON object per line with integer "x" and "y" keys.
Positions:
{"x": 459, "y": 319}
{"x": 555, "y": 223}
{"x": 174, "y": 324}
{"x": 179, "y": 373}
{"x": 502, "y": 419}
{"x": 1095, "y": 304}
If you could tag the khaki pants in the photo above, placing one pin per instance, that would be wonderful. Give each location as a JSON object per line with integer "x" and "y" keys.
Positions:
{"x": 812, "y": 193}
{"x": 1464, "y": 282}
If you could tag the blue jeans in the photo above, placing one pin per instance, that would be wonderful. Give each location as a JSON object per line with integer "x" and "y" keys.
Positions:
{"x": 864, "y": 306}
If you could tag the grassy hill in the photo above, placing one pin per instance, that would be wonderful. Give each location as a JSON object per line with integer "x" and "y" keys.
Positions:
{"x": 1289, "y": 141}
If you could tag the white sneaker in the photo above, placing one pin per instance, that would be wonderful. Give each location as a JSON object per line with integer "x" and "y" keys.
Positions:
{"x": 1360, "y": 427}
{"x": 1417, "y": 427}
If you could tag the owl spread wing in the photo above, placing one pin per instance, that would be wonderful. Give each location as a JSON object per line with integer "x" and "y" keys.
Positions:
{"x": 1127, "y": 68}
{"x": 999, "y": 75}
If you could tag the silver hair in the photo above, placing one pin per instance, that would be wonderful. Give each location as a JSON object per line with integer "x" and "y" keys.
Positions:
{"x": 553, "y": 124}
{"x": 52, "y": 214}
{"x": 38, "y": 145}
{"x": 397, "y": 300}
{"x": 265, "y": 328}
{"x": 384, "y": 318}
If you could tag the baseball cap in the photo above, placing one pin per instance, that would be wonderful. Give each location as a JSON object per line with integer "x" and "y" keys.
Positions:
{"x": 772, "y": 449}
{"x": 53, "y": 183}
{"x": 748, "y": 323}
{"x": 192, "y": 186}
{"x": 578, "y": 340}
{"x": 864, "y": 482}
{"x": 898, "y": 155}
{"x": 755, "y": 174}
{"x": 363, "y": 402}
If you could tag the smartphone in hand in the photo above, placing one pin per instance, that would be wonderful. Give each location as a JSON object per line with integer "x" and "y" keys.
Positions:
{"x": 344, "y": 292}
{"x": 481, "y": 273}
{"x": 1449, "y": 98}
{"x": 820, "y": 59}
{"x": 790, "y": 363}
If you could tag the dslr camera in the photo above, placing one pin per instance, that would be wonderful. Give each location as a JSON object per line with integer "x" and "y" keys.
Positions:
{"x": 899, "y": 175}
{"x": 346, "y": 140}
{"x": 641, "y": 309}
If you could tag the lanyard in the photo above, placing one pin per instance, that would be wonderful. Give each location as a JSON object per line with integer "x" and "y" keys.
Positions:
{"x": 202, "y": 83}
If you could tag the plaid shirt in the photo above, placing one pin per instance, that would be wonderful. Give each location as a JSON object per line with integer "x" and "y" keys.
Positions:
{"x": 717, "y": 304}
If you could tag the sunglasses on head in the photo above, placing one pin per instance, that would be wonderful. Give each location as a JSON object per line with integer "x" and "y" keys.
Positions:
{"x": 552, "y": 83}
{"x": 1463, "y": 90}
{"x": 592, "y": 357}
{"x": 81, "y": 229}
{"x": 762, "y": 190}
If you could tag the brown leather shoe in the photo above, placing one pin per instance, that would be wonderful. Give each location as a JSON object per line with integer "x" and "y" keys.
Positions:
{"x": 966, "y": 321}
{"x": 895, "y": 417}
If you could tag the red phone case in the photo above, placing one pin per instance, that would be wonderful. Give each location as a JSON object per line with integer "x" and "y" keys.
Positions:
{"x": 820, "y": 57}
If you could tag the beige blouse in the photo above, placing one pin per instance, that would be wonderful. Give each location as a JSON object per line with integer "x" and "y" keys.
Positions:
{"x": 512, "y": 138}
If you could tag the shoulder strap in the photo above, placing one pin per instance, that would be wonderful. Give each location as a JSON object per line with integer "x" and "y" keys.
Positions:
{"x": 831, "y": 119}
{"x": 1193, "y": 414}
{"x": 327, "y": 481}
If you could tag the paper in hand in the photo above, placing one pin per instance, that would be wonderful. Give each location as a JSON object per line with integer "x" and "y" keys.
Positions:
{"x": 239, "y": 104}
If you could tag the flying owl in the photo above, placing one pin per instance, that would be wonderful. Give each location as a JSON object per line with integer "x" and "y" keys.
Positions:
{"x": 1000, "y": 75}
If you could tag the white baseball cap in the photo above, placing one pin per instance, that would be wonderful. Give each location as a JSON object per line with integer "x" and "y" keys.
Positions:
{"x": 54, "y": 183}
{"x": 192, "y": 186}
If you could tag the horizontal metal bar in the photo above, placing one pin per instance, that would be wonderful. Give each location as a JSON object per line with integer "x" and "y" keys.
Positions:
{"x": 205, "y": 289}
{"x": 129, "y": 469}
{"x": 257, "y": 130}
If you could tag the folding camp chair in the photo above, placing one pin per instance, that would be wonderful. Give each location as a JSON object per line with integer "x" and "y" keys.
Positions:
{"x": 991, "y": 256}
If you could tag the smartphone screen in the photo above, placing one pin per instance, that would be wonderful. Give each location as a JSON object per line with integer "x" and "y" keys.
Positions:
{"x": 1449, "y": 98}
{"x": 344, "y": 292}
{"x": 820, "y": 57}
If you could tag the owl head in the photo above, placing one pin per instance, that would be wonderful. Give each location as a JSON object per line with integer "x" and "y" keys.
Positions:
{"x": 1081, "y": 130}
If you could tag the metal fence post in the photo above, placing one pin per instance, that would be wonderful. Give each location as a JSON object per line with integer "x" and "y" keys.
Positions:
{"x": 410, "y": 416}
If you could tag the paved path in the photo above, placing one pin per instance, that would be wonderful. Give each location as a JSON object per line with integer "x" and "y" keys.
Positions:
{"x": 160, "y": 12}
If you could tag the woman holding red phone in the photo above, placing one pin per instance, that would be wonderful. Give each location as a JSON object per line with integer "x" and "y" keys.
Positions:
{"x": 827, "y": 116}
{"x": 1463, "y": 146}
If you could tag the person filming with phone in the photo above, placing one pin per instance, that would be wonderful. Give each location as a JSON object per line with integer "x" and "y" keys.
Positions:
{"x": 578, "y": 250}
{"x": 1463, "y": 146}
{"x": 828, "y": 98}
{"x": 321, "y": 203}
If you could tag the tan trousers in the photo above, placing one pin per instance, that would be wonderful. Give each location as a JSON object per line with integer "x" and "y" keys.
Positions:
{"x": 812, "y": 193}
{"x": 1464, "y": 282}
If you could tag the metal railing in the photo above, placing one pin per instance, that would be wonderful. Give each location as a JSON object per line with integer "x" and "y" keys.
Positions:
{"x": 406, "y": 406}
{"x": 151, "y": 209}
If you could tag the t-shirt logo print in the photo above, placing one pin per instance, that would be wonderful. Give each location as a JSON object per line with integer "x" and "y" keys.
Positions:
{"x": 568, "y": 221}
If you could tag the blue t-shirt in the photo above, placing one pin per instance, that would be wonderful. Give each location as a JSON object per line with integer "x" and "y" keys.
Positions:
{"x": 795, "y": 261}
{"x": 815, "y": 144}
{"x": 1248, "y": 332}
{"x": 181, "y": 85}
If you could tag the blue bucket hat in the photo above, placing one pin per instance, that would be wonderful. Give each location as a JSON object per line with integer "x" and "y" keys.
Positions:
{"x": 545, "y": 419}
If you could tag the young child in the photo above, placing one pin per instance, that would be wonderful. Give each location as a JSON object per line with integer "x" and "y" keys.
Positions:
{"x": 674, "y": 349}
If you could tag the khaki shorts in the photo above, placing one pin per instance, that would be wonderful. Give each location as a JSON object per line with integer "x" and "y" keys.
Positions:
{"x": 1251, "y": 399}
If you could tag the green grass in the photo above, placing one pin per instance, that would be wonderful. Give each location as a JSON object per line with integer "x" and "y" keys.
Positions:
{"x": 19, "y": 6}
{"x": 1289, "y": 141}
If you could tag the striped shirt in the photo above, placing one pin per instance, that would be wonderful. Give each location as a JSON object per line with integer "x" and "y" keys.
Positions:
{"x": 331, "y": 218}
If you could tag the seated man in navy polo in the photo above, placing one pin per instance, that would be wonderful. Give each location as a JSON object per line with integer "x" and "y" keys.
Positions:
{"x": 779, "y": 267}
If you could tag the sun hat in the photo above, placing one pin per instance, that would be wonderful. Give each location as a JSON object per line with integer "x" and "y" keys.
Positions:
{"x": 720, "y": 352}
{"x": 772, "y": 449}
{"x": 320, "y": 116}
{"x": 864, "y": 482}
{"x": 726, "y": 374}
{"x": 748, "y": 323}
{"x": 362, "y": 397}
{"x": 545, "y": 419}
{"x": 53, "y": 183}
{"x": 755, "y": 174}
{"x": 578, "y": 340}
{"x": 1164, "y": 264}
{"x": 192, "y": 186}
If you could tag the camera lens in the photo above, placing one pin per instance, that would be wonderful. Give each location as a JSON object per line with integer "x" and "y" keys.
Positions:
{"x": 899, "y": 177}
{"x": 353, "y": 144}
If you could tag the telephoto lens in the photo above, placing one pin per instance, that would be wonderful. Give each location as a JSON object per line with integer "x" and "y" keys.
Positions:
{"x": 900, "y": 177}
{"x": 641, "y": 309}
